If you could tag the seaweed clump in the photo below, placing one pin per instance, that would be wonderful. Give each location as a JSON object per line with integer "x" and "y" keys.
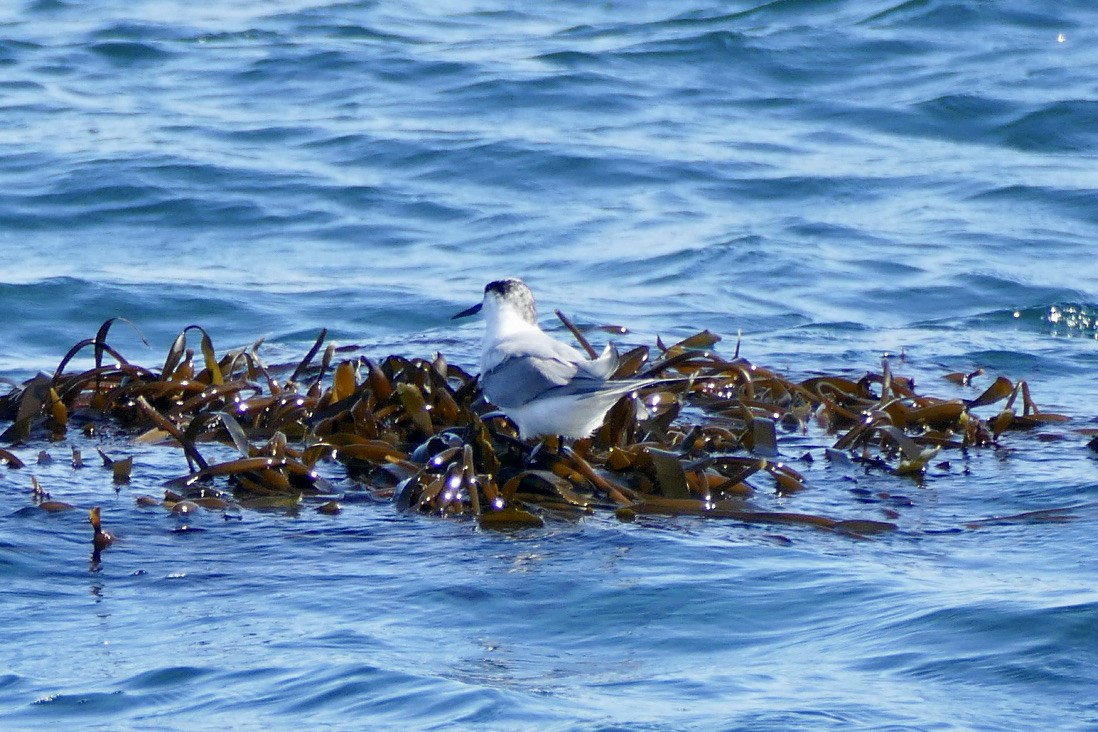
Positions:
{"x": 412, "y": 430}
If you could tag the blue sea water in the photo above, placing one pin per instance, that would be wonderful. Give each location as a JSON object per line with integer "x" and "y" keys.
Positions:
{"x": 834, "y": 180}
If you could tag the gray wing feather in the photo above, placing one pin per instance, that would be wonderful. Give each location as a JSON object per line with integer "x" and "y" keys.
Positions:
{"x": 520, "y": 378}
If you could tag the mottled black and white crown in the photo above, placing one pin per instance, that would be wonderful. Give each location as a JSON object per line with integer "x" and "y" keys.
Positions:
{"x": 513, "y": 292}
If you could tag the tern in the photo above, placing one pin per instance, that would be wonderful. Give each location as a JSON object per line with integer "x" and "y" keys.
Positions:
{"x": 544, "y": 386}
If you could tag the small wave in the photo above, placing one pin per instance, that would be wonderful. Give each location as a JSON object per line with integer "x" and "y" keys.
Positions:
{"x": 579, "y": 90}
{"x": 1062, "y": 126}
{"x": 966, "y": 116}
{"x": 1006, "y": 628}
{"x": 716, "y": 41}
{"x": 168, "y": 677}
{"x": 355, "y": 32}
{"x": 11, "y": 53}
{"x": 929, "y": 13}
{"x": 48, "y": 6}
{"x": 129, "y": 52}
{"x": 1072, "y": 203}
{"x": 951, "y": 14}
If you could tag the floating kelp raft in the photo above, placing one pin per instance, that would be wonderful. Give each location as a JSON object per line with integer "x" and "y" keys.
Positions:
{"x": 413, "y": 431}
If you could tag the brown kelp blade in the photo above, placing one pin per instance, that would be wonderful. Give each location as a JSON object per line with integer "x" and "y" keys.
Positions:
{"x": 999, "y": 390}
{"x": 55, "y": 506}
{"x": 121, "y": 469}
{"x": 208, "y": 355}
{"x": 963, "y": 379}
{"x": 100, "y": 539}
{"x": 724, "y": 510}
{"x": 416, "y": 407}
{"x": 101, "y": 339}
{"x": 1040, "y": 516}
{"x": 670, "y": 475}
{"x": 35, "y": 395}
{"x": 160, "y": 421}
{"x": 236, "y": 433}
{"x": 10, "y": 459}
{"x": 591, "y": 352}
{"x": 508, "y": 519}
{"x": 700, "y": 341}
{"x": 308, "y": 359}
{"x": 100, "y": 347}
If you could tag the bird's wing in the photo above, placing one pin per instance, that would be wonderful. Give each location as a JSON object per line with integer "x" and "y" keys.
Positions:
{"x": 526, "y": 367}
{"x": 520, "y": 378}
{"x": 607, "y": 363}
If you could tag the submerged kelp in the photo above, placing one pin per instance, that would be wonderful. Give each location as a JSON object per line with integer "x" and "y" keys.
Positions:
{"x": 704, "y": 442}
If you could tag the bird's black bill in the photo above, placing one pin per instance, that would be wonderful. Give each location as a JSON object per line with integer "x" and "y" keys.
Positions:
{"x": 469, "y": 311}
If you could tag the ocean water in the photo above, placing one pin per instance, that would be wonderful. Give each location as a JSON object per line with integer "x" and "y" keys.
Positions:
{"x": 833, "y": 180}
